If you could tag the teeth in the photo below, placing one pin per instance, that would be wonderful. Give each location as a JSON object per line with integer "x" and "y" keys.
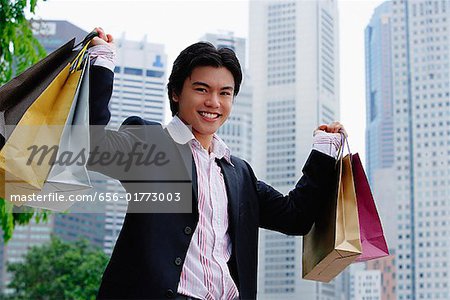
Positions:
{"x": 208, "y": 115}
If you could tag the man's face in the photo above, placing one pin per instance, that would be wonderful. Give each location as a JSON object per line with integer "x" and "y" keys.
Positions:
{"x": 206, "y": 99}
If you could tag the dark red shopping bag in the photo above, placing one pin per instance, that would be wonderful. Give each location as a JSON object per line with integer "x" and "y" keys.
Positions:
{"x": 371, "y": 231}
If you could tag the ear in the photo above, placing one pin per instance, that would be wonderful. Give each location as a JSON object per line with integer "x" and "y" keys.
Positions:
{"x": 174, "y": 97}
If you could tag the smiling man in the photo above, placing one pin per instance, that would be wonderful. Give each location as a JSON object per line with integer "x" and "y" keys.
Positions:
{"x": 212, "y": 252}
{"x": 202, "y": 87}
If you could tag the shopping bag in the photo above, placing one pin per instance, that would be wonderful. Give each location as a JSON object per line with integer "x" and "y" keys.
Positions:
{"x": 17, "y": 95}
{"x": 69, "y": 175}
{"x": 333, "y": 242}
{"x": 40, "y": 128}
{"x": 373, "y": 241}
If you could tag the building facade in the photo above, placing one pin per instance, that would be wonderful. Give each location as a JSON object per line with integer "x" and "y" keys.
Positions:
{"x": 380, "y": 116}
{"x": 294, "y": 66}
{"x": 365, "y": 285}
{"x": 418, "y": 65}
{"x": 379, "y": 100}
{"x": 386, "y": 266}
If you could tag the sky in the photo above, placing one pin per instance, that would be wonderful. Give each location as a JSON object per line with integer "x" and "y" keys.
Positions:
{"x": 177, "y": 24}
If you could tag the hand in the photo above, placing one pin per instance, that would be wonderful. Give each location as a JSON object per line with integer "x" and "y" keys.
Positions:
{"x": 103, "y": 38}
{"x": 334, "y": 127}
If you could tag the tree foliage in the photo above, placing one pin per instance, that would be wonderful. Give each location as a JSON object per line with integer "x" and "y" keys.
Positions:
{"x": 19, "y": 49}
{"x": 11, "y": 215}
{"x": 58, "y": 270}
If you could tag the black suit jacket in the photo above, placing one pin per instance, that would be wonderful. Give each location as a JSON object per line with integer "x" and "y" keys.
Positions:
{"x": 148, "y": 257}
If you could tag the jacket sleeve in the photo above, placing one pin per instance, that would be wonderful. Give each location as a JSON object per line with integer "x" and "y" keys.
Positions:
{"x": 295, "y": 213}
{"x": 104, "y": 142}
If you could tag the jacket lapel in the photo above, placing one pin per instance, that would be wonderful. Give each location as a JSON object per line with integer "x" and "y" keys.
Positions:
{"x": 188, "y": 159}
{"x": 231, "y": 183}
{"x": 194, "y": 184}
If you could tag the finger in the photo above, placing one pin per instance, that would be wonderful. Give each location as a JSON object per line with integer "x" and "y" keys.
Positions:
{"x": 98, "y": 30}
{"x": 97, "y": 41}
{"x": 110, "y": 38}
{"x": 321, "y": 127}
{"x": 101, "y": 33}
{"x": 342, "y": 130}
{"x": 336, "y": 126}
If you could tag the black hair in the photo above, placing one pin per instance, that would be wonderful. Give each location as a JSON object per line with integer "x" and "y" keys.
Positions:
{"x": 201, "y": 54}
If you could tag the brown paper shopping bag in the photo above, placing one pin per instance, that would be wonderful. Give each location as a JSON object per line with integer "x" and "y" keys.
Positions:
{"x": 334, "y": 240}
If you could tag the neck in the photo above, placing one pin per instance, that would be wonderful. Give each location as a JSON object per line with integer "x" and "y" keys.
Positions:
{"x": 205, "y": 140}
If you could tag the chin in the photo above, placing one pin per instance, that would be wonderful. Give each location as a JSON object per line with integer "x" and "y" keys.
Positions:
{"x": 207, "y": 131}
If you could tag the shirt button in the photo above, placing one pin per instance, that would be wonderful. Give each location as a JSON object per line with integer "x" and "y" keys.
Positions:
{"x": 187, "y": 230}
{"x": 178, "y": 261}
{"x": 170, "y": 293}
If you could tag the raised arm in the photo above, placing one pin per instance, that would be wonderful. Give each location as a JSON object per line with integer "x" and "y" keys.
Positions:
{"x": 296, "y": 212}
{"x": 106, "y": 142}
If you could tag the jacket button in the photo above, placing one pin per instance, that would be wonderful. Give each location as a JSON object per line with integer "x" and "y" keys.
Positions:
{"x": 187, "y": 230}
{"x": 170, "y": 293}
{"x": 178, "y": 261}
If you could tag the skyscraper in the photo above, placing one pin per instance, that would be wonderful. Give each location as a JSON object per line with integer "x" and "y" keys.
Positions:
{"x": 386, "y": 266}
{"x": 419, "y": 68}
{"x": 294, "y": 66}
{"x": 237, "y": 131}
{"x": 139, "y": 81}
{"x": 380, "y": 116}
{"x": 379, "y": 113}
{"x": 365, "y": 285}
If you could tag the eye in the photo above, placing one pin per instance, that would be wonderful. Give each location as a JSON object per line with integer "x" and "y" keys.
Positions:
{"x": 202, "y": 90}
{"x": 225, "y": 93}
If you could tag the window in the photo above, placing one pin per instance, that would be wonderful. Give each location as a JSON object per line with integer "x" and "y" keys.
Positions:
{"x": 133, "y": 71}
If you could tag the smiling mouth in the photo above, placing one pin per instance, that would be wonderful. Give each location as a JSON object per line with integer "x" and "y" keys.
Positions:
{"x": 211, "y": 116}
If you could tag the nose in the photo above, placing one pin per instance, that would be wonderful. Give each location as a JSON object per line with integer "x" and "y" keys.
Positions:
{"x": 213, "y": 101}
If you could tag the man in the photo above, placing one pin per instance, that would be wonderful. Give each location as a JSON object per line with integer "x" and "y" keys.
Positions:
{"x": 210, "y": 253}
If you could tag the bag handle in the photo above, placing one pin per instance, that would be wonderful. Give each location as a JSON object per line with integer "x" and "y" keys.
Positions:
{"x": 77, "y": 62}
{"x": 88, "y": 38}
{"x": 344, "y": 140}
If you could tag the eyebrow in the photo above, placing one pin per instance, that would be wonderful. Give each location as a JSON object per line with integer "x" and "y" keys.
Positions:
{"x": 207, "y": 85}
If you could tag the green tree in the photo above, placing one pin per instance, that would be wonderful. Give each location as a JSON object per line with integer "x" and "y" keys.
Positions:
{"x": 58, "y": 270}
{"x": 11, "y": 215}
{"x": 18, "y": 51}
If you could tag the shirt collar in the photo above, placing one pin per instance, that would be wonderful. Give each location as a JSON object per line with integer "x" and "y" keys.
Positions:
{"x": 179, "y": 131}
{"x": 220, "y": 149}
{"x": 182, "y": 134}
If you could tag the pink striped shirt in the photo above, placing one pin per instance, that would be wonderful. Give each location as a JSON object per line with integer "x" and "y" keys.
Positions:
{"x": 205, "y": 273}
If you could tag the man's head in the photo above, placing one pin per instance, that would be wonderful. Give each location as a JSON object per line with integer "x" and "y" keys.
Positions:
{"x": 202, "y": 87}
{"x": 201, "y": 54}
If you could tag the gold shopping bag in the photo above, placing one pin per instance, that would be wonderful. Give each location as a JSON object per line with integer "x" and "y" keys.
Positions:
{"x": 334, "y": 240}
